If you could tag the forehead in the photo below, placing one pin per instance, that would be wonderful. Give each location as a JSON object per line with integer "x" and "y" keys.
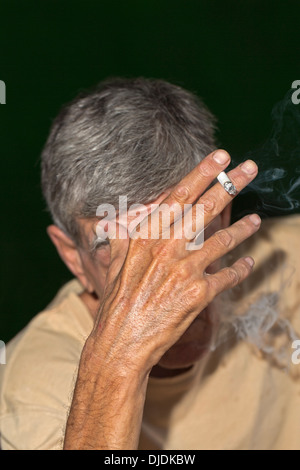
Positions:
{"x": 87, "y": 225}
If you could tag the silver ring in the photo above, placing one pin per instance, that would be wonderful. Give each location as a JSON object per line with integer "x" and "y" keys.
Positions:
{"x": 227, "y": 183}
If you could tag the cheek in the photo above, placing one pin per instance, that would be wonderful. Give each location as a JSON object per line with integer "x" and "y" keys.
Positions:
{"x": 104, "y": 255}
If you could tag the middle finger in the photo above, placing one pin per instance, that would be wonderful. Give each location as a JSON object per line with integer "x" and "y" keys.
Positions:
{"x": 215, "y": 199}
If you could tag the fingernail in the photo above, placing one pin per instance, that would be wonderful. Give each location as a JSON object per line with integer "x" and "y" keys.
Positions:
{"x": 255, "y": 219}
{"x": 221, "y": 157}
{"x": 249, "y": 167}
{"x": 250, "y": 261}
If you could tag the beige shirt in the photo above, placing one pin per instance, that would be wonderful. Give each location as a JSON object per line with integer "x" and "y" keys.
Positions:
{"x": 237, "y": 399}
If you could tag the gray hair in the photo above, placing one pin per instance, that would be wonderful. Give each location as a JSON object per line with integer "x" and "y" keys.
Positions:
{"x": 131, "y": 137}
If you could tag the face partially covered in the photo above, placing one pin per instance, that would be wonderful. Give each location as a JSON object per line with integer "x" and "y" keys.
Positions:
{"x": 91, "y": 265}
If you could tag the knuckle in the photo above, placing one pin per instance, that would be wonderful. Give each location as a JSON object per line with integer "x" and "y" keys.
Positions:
{"x": 181, "y": 271}
{"x": 233, "y": 276}
{"x": 209, "y": 205}
{"x": 197, "y": 291}
{"x": 206, "y": 169}
{"x": 181, "y": 193}
{"x": 212, "y": 286}
{"x": 239, "y": 181}
{"x": 223, "y": 237}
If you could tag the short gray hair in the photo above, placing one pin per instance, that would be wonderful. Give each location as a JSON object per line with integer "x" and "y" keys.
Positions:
{"x": 131, "y": 137}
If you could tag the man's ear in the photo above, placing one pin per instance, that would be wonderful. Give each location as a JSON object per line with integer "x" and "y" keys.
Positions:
{"x": 69, "y": 253}
{"x": 226, "y": 216}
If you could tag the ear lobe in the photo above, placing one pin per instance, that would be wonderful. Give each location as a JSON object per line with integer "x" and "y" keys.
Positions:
{"x": 67, "y": 250}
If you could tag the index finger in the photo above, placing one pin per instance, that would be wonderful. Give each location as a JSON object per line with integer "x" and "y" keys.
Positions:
{"x": 188, "y": 190}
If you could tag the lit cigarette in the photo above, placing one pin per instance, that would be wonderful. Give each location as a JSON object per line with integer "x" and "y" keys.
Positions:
{"x": 226, "y": 183}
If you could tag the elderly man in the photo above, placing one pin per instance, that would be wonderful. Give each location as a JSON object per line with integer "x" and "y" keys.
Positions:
{"x": 123, "y": 357}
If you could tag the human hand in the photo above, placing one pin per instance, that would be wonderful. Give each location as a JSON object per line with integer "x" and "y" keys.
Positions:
{"x": 155, "y": 291}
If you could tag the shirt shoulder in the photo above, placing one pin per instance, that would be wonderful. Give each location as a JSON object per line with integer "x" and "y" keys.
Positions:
{"x": 269, "y": 298}
{"x": 38, "y": 379}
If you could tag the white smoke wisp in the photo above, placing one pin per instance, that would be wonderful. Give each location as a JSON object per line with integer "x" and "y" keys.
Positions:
{"x": 261, "y": 323}
{"x": 276, "y": 189}
{"x": 277, "y": 186}
{"x": 257, "y": 321}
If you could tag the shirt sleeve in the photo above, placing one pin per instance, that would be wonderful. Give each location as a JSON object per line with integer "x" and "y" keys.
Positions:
{"x": 33, "y": 429}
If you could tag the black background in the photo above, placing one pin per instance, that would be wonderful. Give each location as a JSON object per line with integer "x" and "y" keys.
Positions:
{"x": 240, "y": 57}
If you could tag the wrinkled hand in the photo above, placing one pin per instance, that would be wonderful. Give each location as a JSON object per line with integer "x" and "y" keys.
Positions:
{"x": 157, "y": 289}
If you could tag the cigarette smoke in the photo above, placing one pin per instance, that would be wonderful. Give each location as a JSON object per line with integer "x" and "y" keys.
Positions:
{"x": 275, "y": 191}
{"x": 260, "y": 324}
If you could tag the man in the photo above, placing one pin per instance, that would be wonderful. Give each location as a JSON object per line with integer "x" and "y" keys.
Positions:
{"x": 122, "y": 358}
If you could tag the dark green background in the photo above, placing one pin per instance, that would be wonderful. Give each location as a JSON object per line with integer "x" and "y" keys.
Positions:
{"x": 240, "y": 57}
